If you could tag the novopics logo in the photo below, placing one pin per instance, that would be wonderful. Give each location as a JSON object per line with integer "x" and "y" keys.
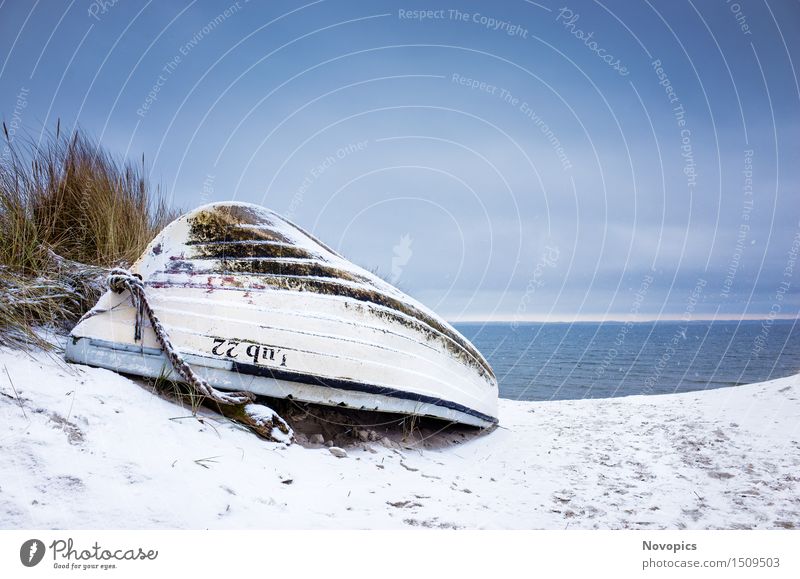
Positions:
{"x": 32, "y": 552}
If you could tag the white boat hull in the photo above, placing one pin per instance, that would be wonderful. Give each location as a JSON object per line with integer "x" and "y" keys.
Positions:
{"x": 254, "y": 303}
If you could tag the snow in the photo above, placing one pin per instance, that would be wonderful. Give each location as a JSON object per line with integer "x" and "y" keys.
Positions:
{"x": 338, "y": 452}
{"x": 87, "y": 448}
{"x": 266, "y": 415}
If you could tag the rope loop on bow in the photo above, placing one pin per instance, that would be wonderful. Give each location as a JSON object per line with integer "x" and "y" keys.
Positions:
{"x": 121, "y": 280}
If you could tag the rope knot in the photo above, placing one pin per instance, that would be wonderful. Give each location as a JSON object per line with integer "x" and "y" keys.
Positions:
{"x": 121, "y": 279}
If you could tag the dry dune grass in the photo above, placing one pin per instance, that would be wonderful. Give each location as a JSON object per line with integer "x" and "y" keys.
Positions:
{"x": 68, "y": 211}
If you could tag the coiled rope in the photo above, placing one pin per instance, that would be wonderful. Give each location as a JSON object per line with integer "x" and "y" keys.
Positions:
{"x": 121, "y": 280}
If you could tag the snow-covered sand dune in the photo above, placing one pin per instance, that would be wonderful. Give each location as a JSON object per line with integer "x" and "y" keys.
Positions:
{"x": 87, "y": 448}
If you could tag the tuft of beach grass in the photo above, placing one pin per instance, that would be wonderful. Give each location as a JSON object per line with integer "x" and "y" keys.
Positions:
{"x": 69, "y": 211}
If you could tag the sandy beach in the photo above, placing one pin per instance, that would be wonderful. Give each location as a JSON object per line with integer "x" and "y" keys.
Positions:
{"x": 87, "y": 448}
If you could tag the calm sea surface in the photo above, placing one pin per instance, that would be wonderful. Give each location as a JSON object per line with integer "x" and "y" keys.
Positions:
{"x": 590, "y": 360}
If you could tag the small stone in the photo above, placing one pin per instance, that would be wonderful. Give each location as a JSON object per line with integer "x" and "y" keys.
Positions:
{"x": 373, "y": 436}
{"x": 317, "y": 439}
{"x": 328, "y": 443}
{"x": 300, "y": 438}
{"x": 338, "y": 452}
{"x": 363, "y": 435}
{"x": 386, "y": 442}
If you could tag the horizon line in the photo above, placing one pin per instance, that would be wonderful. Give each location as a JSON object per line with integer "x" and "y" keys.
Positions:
{"x": 619, "y": 320}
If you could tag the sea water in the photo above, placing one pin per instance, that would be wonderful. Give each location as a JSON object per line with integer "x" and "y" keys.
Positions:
{"x": 554, "y": 361}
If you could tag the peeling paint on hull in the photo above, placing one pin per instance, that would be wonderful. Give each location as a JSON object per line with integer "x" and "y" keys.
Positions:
{"x": 256, "y": 303}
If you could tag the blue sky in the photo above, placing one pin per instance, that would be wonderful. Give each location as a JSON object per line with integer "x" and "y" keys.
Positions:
{"x": 507, "y": 161}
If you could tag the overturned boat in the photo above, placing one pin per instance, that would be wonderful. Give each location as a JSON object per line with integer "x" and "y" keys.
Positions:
{"x": 254, "y": 303}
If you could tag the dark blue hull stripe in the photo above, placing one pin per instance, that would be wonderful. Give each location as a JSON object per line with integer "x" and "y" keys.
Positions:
{"x": 339, "y": 384}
